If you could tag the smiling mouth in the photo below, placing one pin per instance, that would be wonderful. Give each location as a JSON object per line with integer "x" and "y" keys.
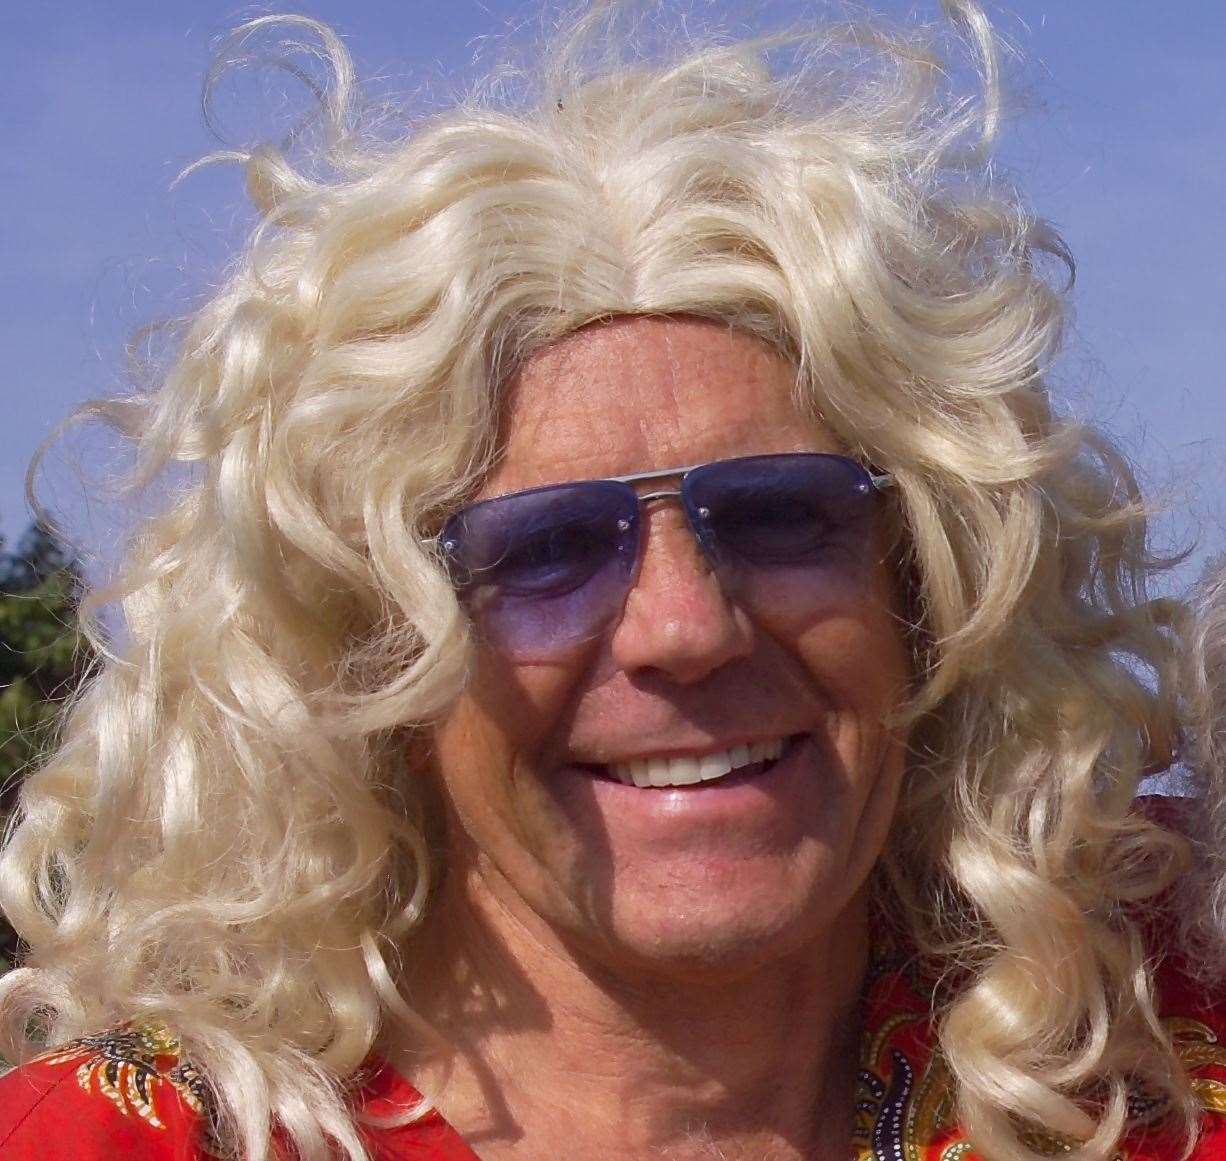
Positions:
{"x": 747, "y": 761}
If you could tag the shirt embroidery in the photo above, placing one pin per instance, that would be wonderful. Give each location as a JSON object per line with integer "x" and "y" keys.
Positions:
{"x": 905, "y": 1107}
{"x": 132, "y": 1066}
{"x": 905, "y": 1092}
{"x": 1199, "y": 1046}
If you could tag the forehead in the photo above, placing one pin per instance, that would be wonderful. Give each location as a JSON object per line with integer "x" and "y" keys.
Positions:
{"x": 640, "y": 394}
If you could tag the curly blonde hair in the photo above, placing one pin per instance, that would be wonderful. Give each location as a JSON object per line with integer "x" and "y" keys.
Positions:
{"x": 1203, "y": 909}
{"x": 228, "y": 838}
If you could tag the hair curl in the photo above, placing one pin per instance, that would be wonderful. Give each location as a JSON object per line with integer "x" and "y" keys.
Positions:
{"x": 229, "y": 838}
{"x": 1203, "y": 909}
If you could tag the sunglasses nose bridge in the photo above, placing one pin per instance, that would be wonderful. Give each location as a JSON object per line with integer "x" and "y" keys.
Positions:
{"x": 659, "y": 494}
{"x": 696, "y": 516}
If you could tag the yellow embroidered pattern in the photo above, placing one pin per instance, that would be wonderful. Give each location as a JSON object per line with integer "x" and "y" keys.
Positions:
{"x": 902, "y": 1116}
{"x": 1198, "y": 1046}
{"x": 131, "y": 1066}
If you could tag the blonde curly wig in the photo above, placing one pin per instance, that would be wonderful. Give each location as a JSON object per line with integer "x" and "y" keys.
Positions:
{"x": 228, "y": 839}
{"x": 1203, "y": 909}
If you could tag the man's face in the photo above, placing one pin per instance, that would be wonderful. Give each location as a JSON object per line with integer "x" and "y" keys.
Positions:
{"x": 714, "y": 877}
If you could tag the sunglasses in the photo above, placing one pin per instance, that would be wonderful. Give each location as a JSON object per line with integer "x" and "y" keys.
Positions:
{"x": 543, "y": 570}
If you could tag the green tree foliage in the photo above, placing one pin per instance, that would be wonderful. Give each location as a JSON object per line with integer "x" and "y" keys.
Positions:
{"x": 43, "y": 655}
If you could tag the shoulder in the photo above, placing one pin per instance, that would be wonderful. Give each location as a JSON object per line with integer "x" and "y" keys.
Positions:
{"x": 383, "y": 1103}
{"x": 1195, "y": 1021}
{"x": 1193, "y": 1014}
{"x": 124, "y": 1093}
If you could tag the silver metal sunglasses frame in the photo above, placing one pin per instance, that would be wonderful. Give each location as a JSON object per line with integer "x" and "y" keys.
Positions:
{"x": 879, "y": 481}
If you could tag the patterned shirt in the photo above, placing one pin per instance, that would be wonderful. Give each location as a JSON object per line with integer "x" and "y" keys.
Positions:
{"x": 131, "y": 1093}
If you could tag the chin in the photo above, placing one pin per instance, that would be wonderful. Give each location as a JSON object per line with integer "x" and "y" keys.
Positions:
{"x": 711, "y": 938}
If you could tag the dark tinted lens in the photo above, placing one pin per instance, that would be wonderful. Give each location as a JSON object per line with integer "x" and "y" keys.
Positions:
{"x": 545, "y": 568}
{"x": 783, "y": 510}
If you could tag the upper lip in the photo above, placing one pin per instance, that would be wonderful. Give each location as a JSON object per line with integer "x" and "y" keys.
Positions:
{"x": 698, "y": 749}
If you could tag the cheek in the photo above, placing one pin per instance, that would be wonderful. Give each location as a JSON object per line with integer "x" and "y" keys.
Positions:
{"x": 862, "y": 661}
{"x": 488, "y": 749}
{"x": 508, "y": 713}
{"x": 851, "y": 643}
{"x": 874, "y": 672}
{"x": 859, "y": 658}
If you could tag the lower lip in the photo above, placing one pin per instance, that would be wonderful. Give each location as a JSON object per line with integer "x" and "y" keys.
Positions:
{"x": 733, "y": 794}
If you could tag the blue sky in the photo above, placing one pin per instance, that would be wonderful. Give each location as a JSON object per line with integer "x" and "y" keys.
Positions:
{"x": 1119, "y": 137}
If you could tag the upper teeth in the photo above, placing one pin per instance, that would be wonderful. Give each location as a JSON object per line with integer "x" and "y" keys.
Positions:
{"x": 685, "y": 771}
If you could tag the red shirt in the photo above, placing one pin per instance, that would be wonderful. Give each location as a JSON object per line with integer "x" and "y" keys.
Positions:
{"x": 129, "y": 1093}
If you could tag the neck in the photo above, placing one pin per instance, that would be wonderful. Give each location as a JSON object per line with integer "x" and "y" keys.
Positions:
{"x": 555, "y": 1055}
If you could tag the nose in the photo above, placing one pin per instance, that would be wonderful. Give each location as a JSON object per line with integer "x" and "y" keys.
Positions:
{"x": 677, "y": 620}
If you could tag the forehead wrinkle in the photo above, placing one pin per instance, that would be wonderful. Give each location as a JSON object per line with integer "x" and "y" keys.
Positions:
{"x": 587, "y": 435}
{"x": 642, "y": 394}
